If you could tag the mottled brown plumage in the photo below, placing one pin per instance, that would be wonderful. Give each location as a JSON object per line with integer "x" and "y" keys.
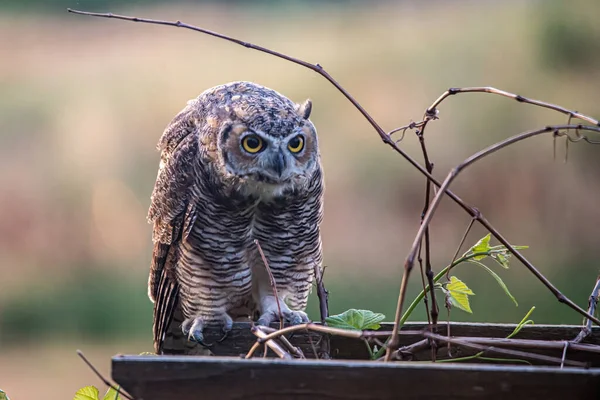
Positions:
{"x": 240, "y": 162}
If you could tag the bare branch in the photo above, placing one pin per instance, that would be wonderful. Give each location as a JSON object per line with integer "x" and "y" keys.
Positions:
{"x": 529, "y": 343}
{"x": 323, "y": 296}
{"x": 452, "y": 91}
{"x": 271, "y": 281}
{"x": 277, "y": 349}
{"x": 593, "y": 302}
{"x": 295, "y": 351}
{"x": 513, "y": 353}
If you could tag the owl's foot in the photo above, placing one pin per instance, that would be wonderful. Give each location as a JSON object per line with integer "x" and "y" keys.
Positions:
{"x": 271, "y": 314}
{"x": 193, "y": 328}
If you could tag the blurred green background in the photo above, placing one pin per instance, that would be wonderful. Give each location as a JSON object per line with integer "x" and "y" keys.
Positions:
{"x": 84, "y": 101}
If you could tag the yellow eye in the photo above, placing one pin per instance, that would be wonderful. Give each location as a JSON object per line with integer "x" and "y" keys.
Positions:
{"x": 252, "y": 144}
{"x": 296, "y": 144}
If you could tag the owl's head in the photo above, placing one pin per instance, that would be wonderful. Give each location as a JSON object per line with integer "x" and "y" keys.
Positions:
{"x": 267, "y": 142}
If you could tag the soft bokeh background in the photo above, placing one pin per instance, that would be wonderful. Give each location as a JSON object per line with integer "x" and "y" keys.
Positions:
{"x": 83, "y": 102}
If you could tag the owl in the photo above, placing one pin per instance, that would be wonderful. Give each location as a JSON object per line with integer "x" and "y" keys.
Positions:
{"x": 239, "y": 163}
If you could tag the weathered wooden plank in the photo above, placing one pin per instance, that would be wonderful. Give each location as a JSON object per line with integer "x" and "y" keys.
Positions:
{"x": 184, "y": 377}
{"x": 241, "y": 339}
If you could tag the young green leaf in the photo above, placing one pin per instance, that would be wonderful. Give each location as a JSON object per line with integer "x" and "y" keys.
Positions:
{"x": 502, "y": 256}
{"x": 111, "y": 394}
{"x": 458, "y": 294}
{"x": 497, "y": 278}
{"x": 356, "y": 320}
{"x": 87, "y": 393}
{"x": 482, "y": 246}
{"x": 502, "y": 259}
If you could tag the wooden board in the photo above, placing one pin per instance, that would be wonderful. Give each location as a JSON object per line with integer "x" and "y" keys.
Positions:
{"x": 196, "y": 377}
{"x": 225, "y": 377}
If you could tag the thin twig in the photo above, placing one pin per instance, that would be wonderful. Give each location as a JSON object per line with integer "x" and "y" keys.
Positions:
{"x": 333, "y": 331}
{"x": 323, "y": 296}
{"x": 426, "y": 297}
{"x": 514, "y": 353}
{"x": 252, "y": 350}
{"x": 103, "y": 379}
{"x": 322, "y": 293}
{"x": 412, "y": 349}
{"x": 295, "y": 351}
{"x": 277, "y": 349}
{"x": 314, "y": 327}
{"x": 564, "y": 354}
{"x": 312, "y": 345}
{"x": 520, "y": 99}
{"x": 434, "y": 311}
{"x": 403, "y": 129}
{"x": 271, "y": 281}
{"x": 529, "y": 343}
{"x": 593, "y": 302}
{"x": 462, "y": 241}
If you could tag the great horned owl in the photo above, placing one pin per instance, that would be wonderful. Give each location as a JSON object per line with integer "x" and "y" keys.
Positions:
{"x": 239, "y": 163}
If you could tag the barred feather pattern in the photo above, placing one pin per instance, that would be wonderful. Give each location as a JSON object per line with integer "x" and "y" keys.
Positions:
{"x": 209, "y": 205}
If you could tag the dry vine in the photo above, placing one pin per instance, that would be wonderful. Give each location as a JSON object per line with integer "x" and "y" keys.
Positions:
{"x": 571, "y": 131}
{"x": 118, "y": 390}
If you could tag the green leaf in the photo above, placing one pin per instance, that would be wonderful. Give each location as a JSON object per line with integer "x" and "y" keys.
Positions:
{"x": 482, "y": 246}
{"x": 497, "y": 278}
{"x": 3, "y": 395}
{"x": 111, "y": 394}
{"x": 87, "y": 393}
{"x": 458, "y": 294}
{"x": 356, "y": 320}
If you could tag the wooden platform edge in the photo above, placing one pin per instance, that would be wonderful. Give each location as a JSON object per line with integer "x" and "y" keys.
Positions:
{"x": 188, "y": 377}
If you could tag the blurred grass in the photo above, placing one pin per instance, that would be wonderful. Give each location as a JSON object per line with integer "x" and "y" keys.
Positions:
{"x": 84, "y": 102}
{"x": 90, "y": 304}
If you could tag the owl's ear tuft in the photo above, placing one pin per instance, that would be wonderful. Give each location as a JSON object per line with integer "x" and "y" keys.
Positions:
{"x": 304, "y": 109}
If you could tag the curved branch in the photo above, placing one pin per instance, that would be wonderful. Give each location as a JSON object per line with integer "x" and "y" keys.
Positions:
{"x": 486, "y": 89}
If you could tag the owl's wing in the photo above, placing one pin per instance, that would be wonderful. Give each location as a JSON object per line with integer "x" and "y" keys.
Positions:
{"x": 172, "y": 213}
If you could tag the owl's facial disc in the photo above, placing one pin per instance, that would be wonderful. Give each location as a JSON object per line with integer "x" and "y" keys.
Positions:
{"x": 268, "y": 160}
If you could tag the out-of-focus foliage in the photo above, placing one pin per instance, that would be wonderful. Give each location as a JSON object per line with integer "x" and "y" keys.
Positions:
{"x": 90, "y": 304}
{"x": 569, "y": 36}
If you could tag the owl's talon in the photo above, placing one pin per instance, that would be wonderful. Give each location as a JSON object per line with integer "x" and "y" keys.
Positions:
{"x": 193, "y": 328}
{"x": 225, "y": 334}
{"x": 289, "y": 316}
{"x": 227, "y": 327}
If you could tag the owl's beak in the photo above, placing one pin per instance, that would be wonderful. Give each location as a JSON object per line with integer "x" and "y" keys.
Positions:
{"x": 278, "y": 163}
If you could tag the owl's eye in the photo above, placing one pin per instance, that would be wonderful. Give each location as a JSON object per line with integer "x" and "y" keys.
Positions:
{"x": 252, "y": 144}
{"x": 296, "y": 144}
